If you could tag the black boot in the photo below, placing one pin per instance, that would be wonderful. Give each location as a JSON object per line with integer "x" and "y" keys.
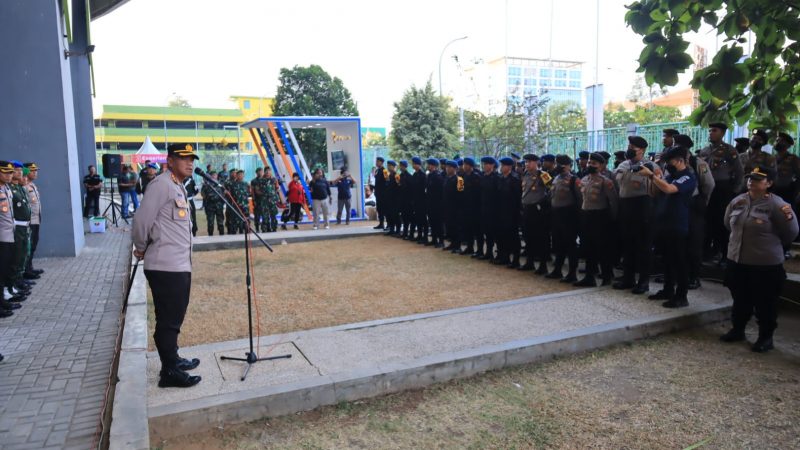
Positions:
{"x": 528, "y": 265}
{"x": 763, "y": 344}
{"x": 187, "y": 364}
{"x": 570, "y": 278}
{"x": 641, "y": 288}
{"x": 587, "y": 281}
{"x": 514, "y": 264}
{"x": 555, "y": 274}
{"x": 663, "y": 294}
{"x": 478, "y": 254}
{"x": 623, "y": 285}
{"x": 542, "y": 270}
{"x": 676, "y": 302}
{"x": 177, "y": 378}
{"x": 467, "y": 251}
{"x": 378, "y": 227}
{"x": 735, "y": 334}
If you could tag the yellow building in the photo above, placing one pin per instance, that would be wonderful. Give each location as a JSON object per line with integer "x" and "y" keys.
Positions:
{"x": 123, "y": 129}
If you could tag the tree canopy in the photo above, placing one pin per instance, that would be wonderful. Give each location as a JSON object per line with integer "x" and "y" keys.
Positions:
{"x": 311, "y": 91}
{"x": 423, "y": 124}
{"x": 762, "y": 88}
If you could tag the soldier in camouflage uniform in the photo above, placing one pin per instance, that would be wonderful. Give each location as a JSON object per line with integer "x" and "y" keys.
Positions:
{"x": 228, "y": 183}
{"x": 214, "y": 207}
{"x": 22, "y": 232}
{"x": 755, "y": 156}
{"x": 271, "y": 199}
{"x": 240, "y": 192}
{"x": 257, "y": 190}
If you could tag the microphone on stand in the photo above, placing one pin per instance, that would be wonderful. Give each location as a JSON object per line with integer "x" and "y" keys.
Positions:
{"x": 207, "y": 178}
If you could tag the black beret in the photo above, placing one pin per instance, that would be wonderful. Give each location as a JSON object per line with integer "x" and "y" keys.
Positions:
{"x": 548, "y": 157}
{"x": 742, "y": 140}
{"x": 583, "y": 155}
{"x": 530, "y": 157}
{"x": 637, "y": 141}
{"x": 490, "y": 160}
{"x": 684, "y": 141}
{"x": 597, "y": 157}
{"x": 514, "y": 155}
{"x": 719, "y": 125}
{"x": 762, "y": 134}
{"x": 786, "y": 137}
{"x": 506, "y": 161}
{"x": 620, "y": 154}
{"x": 380, "y": 158}
{"x": 670, "y": 132}
{"x": 605, "y": 155}
{"x": 673, "y": 152}
{"x": 563, "y": 160}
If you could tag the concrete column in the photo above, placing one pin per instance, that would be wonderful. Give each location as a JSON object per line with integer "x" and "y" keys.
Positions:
{"x": 82, "y": 88}
{"x": 38, "y": 116}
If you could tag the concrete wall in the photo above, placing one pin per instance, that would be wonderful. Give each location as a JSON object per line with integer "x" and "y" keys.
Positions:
{"x": 37, "y": 115}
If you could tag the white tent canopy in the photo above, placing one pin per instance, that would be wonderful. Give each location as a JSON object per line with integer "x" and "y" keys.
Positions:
{"x": 148, "y": 148}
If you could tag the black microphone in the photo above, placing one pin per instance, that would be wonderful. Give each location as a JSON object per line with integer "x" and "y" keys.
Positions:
{"x": 206, "y": 177}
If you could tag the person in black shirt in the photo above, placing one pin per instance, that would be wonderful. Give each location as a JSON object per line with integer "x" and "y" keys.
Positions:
{"x": 93, "y": 184}
{"x": 470, "y": 209}
{"x": 452, "y": 199}
{"x": 320, "y": 196}
{"x": 418, "y": 181}
{"x": 381, "y": 176}
{"x": 489, "y": 208}
{"x": 405, "y": 200}
{"x": 433, "y": 195}
{"x": 509, "y": 203}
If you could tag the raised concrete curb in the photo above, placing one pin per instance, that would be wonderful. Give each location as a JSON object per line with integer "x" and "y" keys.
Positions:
{"x": 227, "y": 242}
{"x": 129, "y": 425}
{"x": 182, "y": 418}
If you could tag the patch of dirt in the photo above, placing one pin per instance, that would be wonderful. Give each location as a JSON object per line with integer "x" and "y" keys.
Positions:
{"x": 326, "y": 283}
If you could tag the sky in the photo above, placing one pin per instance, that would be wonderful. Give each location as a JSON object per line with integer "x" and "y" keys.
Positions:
{"x": 208, "y": 50}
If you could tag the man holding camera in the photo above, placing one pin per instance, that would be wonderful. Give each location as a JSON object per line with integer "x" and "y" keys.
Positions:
{"x": 635, "y": 216}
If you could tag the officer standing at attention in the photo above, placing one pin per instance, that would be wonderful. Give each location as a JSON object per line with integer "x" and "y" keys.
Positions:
{"x": 9, "y": 301}
{"x": 420, "y": 206}
{"x": 697, "y": 209}
{"x": 761, "y": 225}
{"x": 93, "y": 184}
{"x": 489, "y": 208}
{"x": 742, "y": 144}
{"x": 667, "y": 140}
{"x": 565, "y": 199}
{"x": 754, "y": 156}
{"x": 391, "y": 195}
{"x": 536, "y": 214}
{"x": 405, "y": 200}
{"x": 452, "y": 200}
{"x": 257, "y": 191}
{"x": 787, "y": 178}
{"x": 583, "y": 163}
{"x": 509, "y": 202}
{"x": 36, "y": 218}
{"x": 22, "y": 231}
{"x": 470, "y": 211}
{"x": 381, "y": 178}
{"x": 726, "y": 168}
{"x": 599, "y": 207}
{"x": 434, "y": 185}
{"x": 191, "y": 191}
{"x": 162, "y": 235}
{"x": 213, "y": 206}
{"x": 672, "y": 219}
{"x": 635, "y": 217}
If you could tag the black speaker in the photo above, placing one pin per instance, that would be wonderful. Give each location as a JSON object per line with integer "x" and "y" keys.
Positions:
{"x": 112, "y": 165}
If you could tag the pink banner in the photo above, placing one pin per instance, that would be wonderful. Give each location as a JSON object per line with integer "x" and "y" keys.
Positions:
{"x": 155, "y": 158}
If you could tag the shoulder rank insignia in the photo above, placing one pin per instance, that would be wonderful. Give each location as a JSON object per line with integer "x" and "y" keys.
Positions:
{"x": 397, "y": 178}
{"x": 546, "y": 178}
{"x": 787, "y": 212}
{"x": 460, "y": 184}
{"x": 385, "y": 174}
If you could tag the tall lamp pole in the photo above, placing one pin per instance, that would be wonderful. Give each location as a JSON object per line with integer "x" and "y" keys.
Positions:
{"x": 440, "y": 61}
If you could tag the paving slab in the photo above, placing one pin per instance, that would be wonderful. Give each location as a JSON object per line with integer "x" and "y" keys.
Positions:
{"x": 373, "y": 358}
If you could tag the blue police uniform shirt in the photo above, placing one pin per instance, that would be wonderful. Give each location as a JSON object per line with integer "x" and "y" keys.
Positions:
{"x": 673, "y": 209}
{"x": 343, "y": 188}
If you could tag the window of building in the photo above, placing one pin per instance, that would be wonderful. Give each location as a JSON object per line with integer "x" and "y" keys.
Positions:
{"x": 561, "y": 73}
{"x": 530, "y": 91}
{"x": 514, "y": 71}
{"x": 545, "y": 83}
{"x": 247, "y": 104}
{"x": 561, "y": 83}
{"x": 574, "y": 83}
{"x": 545, "y": 73}
{"x": 530, "y": 81}
{"x": 575, "y": 74}
{"x": 179, "y": 125}
{"x": 129, "y": 124}
{"x": 530, "y": 72}
{"x": 102, "y": 123}
{"x": 129, "y": 146}
{"x": 514, "y": 81}
{"x": 249, "y": 146}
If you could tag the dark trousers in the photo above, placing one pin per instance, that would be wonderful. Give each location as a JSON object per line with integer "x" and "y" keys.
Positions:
{"x": 380, "y": 206}
{"x": 212, "y": 215}
{"x": 697, "y": 233}
{"x": 488, "y": 232}
{"x": 92, "y": 202}
{"x": 597, "y": 235}
{"x": 435, "y": 223}
{"x": 471, "y": 230}
{"x": 508, "y": 244}
{"x": 453, "y": 228}
{"x": 536, "y": 231}
{"x": 294, "y": 213}
{"x": 6, "y": 257}
{"x": 170, "y": 299}
{"x": 34, "y": 244}
{"x": 716, "y": 232}
{"x": 676, "y": 269}
{"x": 421, "y": 221}
{"x": 193, "y": 214}
{"x": 565, "y": 234}
{"x": 636, "y": 222}
{"x": 755, "y": 288}
{"x": 407, "y": 218}
{"x": 392, "y": 214}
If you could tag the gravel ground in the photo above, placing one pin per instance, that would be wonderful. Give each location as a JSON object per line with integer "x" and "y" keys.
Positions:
{"x": 670, "y": 392}
{"x": 325, "y": 283}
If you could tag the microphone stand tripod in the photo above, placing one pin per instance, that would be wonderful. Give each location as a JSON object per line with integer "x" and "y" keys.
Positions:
{"x": 250, "y": 357}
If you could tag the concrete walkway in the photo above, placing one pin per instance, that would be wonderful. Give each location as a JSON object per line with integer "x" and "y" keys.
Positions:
{"x": 60, "y": 345}
{"x": 372, "y": 358}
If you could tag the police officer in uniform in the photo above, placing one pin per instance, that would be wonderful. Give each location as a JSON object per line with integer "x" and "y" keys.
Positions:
{"x": 489, "y": 207}
{"x": 755, "y": 156}
{"x": 565, "y": 200}
{"x": 635, "y": 217}
{"x": 381, "y": 178}
{"x": 36, "y": 217}
{"x": 452, "y": 201}
{"x": 667, "y": 139}
{"x": 162, "y": 235}
{"x": 697, "y": 209}
{"x": 391, "y": 195}
{"x": 536, "y": 214}
{"x": 787, "y": 178}
{"x": 470, "y": 211}
{"x": 761, "y": 225}
{"x": 405, "y": 200}
{"x": 420, "y": 206}
{"x": 434, "y": 185}
{"x": 22, "y": 233}
{"x": 598, "y": 209}
{"x": 9, "y": 300}
{"x": 191, "y": 191}
{"x": 509, "y": 202}
{"x": 213, "y": 206}
{"x": 742, "y": 144}
{"x": 583, "y": 163}
{"x": 726, "y": 168}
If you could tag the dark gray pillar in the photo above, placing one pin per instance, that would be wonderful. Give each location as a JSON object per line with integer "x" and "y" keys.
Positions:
{"x": 38, "y": 117}
{"x": 82, "y": 88}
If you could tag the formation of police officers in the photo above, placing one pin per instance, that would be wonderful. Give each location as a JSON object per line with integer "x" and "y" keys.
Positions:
{"x": 671, "y": 204}
{"x": 20, "y": 217}
{"x": 263, "y": 189}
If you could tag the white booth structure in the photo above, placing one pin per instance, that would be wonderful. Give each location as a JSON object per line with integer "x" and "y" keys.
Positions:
{"x": 277, "y": 145}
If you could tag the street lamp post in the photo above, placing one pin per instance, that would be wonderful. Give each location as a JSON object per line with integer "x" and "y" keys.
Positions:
{"x": 440, "y": 61}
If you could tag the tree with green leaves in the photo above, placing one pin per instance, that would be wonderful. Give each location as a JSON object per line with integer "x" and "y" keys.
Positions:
{"x": 311, "y": 91}
{"x": 562, "y": 117}
{"x": 178, "y": 101}
{"x": 424, "y": 124}
{"x": 615, "y": 115}
{"x": 762, "y": 89}
{"x": 518, "y": 130}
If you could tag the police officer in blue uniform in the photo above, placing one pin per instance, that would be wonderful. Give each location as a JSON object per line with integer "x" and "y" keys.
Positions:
{"x": 452, "y": 200}
{"x": 470, "y": 211}
{"x": 509, "y": 202}
{"x": 420, "y": 219}
{"x": 434, "y": 184}
{"x": 490, "y": 182}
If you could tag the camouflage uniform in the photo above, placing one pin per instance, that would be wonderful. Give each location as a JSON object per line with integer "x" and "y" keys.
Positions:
{"x": 257, "y": 186}
{"x": 270, "y": 206}
{"x": 22, "y": 234}
{"x": 240, "y": 192}
{"x": 214, "y": 207}
{"x": 229, "y": 215}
